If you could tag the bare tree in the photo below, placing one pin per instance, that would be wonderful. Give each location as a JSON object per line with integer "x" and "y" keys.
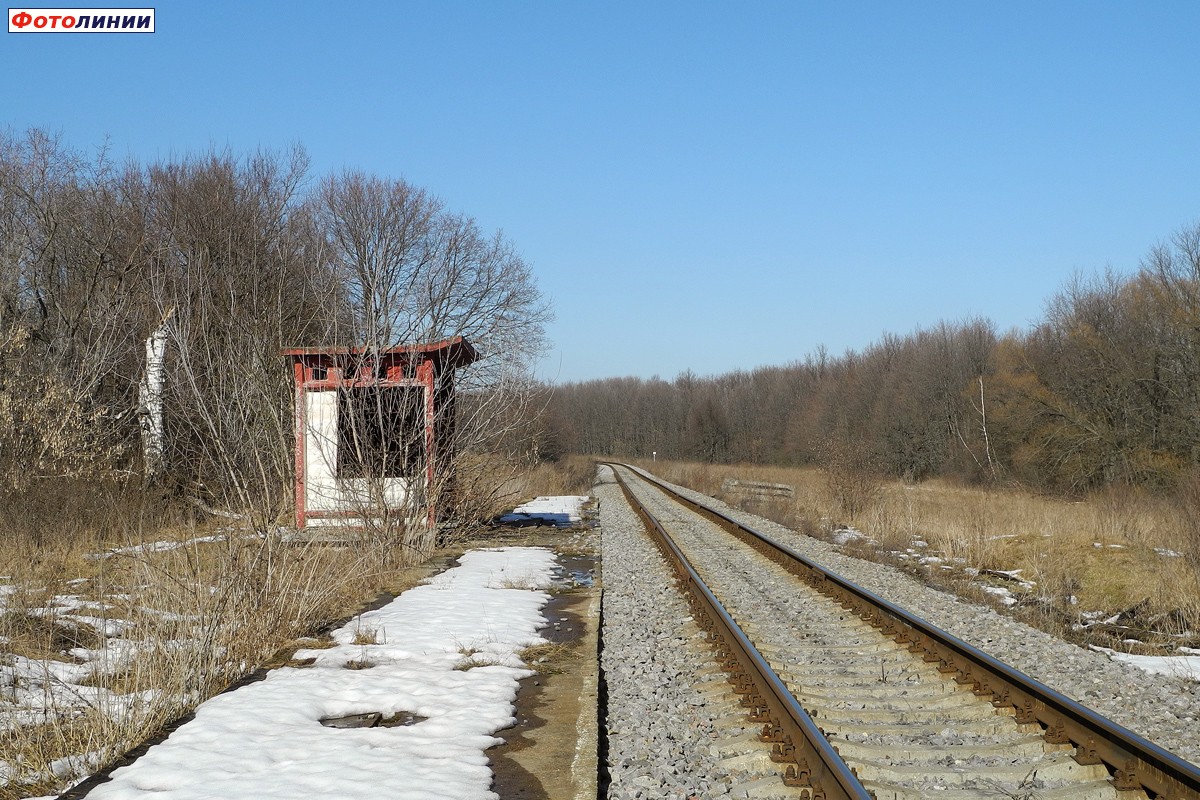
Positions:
{"x": 233, "y": 258}
{"x": 414, "y": 272}
{"x": 65, "y": 247}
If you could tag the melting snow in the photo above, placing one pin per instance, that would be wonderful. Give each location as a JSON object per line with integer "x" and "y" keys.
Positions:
{"x": 1002, "y": 593}
{"x": 1185, "y": 666}
{"x": 561, "y": 511}
{"x": 843, "y": 535}
{"x": 266, "y": 741}
{"x": 154, "y": 547}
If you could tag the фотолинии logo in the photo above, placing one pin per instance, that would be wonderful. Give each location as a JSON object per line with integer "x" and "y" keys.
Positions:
{"x": 81, "y": 20}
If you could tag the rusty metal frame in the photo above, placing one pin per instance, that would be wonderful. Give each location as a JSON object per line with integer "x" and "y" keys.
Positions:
{"x": 1134, "y": 762}
{"x": 810, "y": 761}
{"x": 406, "y": 365}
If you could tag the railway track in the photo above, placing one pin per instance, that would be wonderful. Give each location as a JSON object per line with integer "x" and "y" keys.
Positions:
{"x": 857, "y": 698}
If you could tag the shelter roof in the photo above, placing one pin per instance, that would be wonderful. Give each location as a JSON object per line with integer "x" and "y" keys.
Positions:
{"x": 455, "y": 351}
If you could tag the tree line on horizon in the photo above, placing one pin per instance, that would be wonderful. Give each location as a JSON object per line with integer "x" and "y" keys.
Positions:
{"x": 1102, "y": 391}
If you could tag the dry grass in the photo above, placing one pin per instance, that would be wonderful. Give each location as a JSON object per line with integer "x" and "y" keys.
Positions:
{"x": 55, "y": 738}
{"x": 198, "y": 615}
{"x": 547, "y": 658}
{"x": 1113, "y": 552}
{"x": 572, "y": 475}
{"x": 366, "y": 636}
{"x": 486, "y": 487}
{"x": 473, "y": 657}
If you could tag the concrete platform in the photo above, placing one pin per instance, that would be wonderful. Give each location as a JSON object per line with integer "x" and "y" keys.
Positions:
{"x": 552, "y": 751}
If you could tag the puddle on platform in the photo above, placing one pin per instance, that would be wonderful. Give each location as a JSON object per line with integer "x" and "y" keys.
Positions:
{"x": 574, "y": 572}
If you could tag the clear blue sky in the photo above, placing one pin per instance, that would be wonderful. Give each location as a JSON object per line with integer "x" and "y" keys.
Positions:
{"x": 698, "y": 185}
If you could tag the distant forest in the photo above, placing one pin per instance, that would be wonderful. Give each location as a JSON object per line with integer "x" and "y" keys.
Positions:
{"x": 1103, "y": 391}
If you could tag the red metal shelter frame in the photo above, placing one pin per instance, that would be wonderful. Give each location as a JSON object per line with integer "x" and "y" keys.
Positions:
{"x": 429, "y": 365}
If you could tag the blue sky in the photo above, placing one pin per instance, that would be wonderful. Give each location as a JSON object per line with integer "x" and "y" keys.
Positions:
{"x": 698, "y": 185}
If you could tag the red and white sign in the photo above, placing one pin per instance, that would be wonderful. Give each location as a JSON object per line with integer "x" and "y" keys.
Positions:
{"x": 81, "y": 20}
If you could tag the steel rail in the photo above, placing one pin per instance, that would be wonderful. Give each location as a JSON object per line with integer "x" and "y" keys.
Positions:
{"x": 810, "y": 761}
{"x": 1134, "y": 762}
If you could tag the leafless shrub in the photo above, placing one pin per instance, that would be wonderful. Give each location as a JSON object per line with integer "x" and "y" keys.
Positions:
{"x": 46, "y": 428}
{"x": 851, "y": 479}
{"x": 885, "y": 522}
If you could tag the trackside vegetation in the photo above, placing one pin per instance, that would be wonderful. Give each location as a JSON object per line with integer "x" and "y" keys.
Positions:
{"x": 146, "y": 428}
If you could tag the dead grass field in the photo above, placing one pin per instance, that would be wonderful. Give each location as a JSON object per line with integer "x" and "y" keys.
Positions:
{"x": 105, "y": 646}
{"x": 1077, "y": 564}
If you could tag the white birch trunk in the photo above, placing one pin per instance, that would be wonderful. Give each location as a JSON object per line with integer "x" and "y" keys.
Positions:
{"x": 150, "y": 401}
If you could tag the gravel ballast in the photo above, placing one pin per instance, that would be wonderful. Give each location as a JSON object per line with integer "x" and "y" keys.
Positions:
{"x": 1163, "y": 709}
{"x": 666, "y": 701}
{"x": 655, "y": 717}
